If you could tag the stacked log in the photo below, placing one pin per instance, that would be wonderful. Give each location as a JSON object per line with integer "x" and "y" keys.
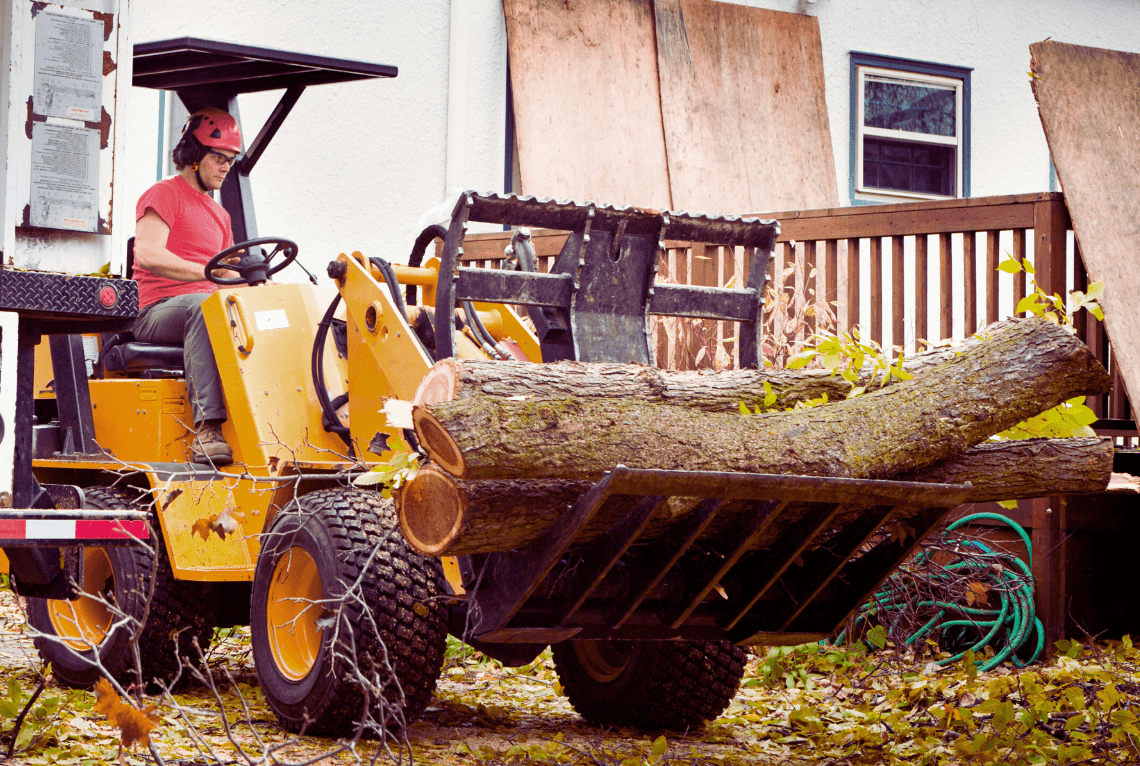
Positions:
{"x": 513, "y": 446}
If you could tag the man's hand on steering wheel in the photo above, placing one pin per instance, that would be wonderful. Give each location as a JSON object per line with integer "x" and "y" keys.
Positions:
{"x": 247, "y": 260}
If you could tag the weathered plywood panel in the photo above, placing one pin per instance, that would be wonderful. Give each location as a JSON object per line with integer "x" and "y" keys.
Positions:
{"x": 586, "y": 101}
{"x": 1089, "y": 100}
{"x": 743, "y": 107}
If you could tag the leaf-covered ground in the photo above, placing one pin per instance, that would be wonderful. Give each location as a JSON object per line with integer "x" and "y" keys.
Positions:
{"x": 807, "y": 705}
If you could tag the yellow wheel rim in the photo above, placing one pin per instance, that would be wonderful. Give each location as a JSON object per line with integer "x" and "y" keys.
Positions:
{"x": 86, "y": 620}
{"x": 604, "y": 661}
{"x": 291, "y": 615}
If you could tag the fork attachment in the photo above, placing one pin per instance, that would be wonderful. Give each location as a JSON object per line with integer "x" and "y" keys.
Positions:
{"x": 594, "y": 304}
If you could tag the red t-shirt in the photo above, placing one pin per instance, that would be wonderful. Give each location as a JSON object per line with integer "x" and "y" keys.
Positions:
{"x": 199, "y": 229}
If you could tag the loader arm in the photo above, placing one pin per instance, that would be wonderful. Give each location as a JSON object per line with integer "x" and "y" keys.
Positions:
{"x": 387, "y": 359}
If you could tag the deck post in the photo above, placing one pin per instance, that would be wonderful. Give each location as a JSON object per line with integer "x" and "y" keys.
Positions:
{"x": 1050, "y": 223}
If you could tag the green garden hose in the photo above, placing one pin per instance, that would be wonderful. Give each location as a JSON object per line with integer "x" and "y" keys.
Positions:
{"x": 904, "y": 600}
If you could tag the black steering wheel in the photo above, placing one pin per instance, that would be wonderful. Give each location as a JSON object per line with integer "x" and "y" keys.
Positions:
{"x": 253, "y": 266}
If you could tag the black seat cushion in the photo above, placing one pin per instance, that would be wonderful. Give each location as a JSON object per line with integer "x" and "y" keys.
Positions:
{"x": 133, "y": 356}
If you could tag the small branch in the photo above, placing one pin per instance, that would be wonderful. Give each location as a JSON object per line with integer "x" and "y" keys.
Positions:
{"x": 19, "y": 723}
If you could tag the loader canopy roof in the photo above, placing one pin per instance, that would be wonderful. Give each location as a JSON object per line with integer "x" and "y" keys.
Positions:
{"x": 193, "y": 63}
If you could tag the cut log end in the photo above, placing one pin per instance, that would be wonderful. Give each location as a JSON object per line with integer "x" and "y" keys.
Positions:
{"x": 440, "y": 444}
{"x": 431, "y": 511}
{"x": 439, "y": 384}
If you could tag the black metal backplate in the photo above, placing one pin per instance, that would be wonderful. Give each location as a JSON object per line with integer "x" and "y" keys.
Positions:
{"x": 47, "y": 295}
{"x": 702, "y": 575}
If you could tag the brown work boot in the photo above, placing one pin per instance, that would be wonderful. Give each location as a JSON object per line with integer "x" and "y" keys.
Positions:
{"x": 210, "y": 446}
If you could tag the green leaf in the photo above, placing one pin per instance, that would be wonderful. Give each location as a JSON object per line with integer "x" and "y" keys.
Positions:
{"x": 769, "y": 395}
{"x": 1029, "y": 303}
{"x": 1003, "y": 715}
{"x": 877, "y": 637}
{"x": 373, "y": 477}
{"x": 15, "y": 693}
{"x": 660, "y": 745}
{"x": 970, "y": 665}
{"x": 799, "y": 361}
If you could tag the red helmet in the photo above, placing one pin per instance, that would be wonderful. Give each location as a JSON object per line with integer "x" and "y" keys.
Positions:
{"x": 215, "y": 128}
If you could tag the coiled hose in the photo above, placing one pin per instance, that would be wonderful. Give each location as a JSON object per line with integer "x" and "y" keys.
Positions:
{"x": 924, "y": 591}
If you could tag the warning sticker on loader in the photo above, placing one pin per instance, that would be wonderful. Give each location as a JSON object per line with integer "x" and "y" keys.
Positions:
{"x": 271, "y": 320}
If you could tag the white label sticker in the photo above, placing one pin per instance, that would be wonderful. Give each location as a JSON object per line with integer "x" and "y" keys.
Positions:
{"x": 271, "y": 320}
{"x": 79, "y": 113}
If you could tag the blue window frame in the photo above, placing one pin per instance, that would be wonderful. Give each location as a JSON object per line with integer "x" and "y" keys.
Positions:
{"x": 910, "y": 129}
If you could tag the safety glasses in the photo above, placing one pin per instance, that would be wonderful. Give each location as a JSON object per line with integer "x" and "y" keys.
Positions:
{"x": 222, "y": 159}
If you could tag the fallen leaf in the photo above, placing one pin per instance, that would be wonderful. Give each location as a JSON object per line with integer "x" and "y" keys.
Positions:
{"x": 134, "y": 725}
{"x": 202, "y": 526}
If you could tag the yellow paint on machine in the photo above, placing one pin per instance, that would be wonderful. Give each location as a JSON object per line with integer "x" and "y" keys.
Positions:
{"x": 182, "y": 504}
{"x": 142, "y": 419}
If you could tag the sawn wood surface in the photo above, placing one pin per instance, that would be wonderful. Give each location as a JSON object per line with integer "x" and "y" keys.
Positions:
{"x": 1089, "y": 101}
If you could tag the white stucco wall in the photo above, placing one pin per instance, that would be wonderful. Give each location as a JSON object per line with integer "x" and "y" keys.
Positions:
{"x": 356, "y": 165}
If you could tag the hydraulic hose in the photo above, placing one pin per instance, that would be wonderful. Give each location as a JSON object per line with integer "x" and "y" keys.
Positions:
{"x": 329, "y": 418}
{"x": 491, "y": 346}
{"x": 416, "y": 258}
{"x": 393, "y": 285}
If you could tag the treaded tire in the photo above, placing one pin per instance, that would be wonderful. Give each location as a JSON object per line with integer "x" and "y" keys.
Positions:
{"x": 397, "y": 621}
{"x": 650, "y": 685}
{"x": 178, "y": 607}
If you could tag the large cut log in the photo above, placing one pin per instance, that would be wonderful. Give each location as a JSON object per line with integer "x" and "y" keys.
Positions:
{"x": 1013, "y": 470}
{"x": 1028, "y": 366}
{"x": 453, "y": 379}
{"x": 458, "y": 379}
{"x": 441, "y": 515}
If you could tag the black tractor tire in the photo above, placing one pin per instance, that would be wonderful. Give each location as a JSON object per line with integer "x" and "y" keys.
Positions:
{"x": 649, "y": 685}
{"x": 336, "y": 557}
{"x": 123, "y": 575}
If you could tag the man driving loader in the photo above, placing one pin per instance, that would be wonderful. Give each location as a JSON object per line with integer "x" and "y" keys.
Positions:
{"x": 178, "y": 228}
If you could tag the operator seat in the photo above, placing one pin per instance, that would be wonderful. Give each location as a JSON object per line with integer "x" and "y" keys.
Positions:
{"x": 122, "y": 353}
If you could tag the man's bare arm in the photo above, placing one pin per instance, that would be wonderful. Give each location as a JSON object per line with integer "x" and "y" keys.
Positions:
{"x": 151, "y": 254}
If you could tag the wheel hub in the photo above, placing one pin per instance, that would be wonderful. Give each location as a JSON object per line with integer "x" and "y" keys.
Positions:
{"x": 604, "y": 661}
{"x": 292, "y": 611}
{"x": 85, "y": 621}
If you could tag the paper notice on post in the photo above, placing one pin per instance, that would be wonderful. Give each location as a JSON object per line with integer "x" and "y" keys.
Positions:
{"x": 69, "y": 67}
{"x": 65, "y": 177}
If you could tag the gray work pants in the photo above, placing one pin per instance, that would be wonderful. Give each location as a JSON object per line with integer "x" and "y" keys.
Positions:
{"x": 178, "y": 321}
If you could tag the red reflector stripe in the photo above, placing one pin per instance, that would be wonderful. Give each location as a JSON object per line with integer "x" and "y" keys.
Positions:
{"x": 85, "y": 529}
{"x": 111, "y": 529}
{"x": 12, "y": 528}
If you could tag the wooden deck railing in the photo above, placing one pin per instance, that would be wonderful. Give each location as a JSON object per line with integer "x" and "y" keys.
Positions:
{"x": 905, "y": 273}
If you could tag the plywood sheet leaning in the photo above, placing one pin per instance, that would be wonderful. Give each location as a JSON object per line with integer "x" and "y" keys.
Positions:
{"x": 586, "y": 103}
{"x": 743, "y": 108}
{"x": 1089, "y": 100}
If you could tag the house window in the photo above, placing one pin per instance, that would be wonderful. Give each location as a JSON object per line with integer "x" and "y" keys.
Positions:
{"x": 910, "y": 129}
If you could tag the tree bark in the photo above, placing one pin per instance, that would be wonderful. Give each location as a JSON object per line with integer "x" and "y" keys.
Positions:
{"x": 453, "y": 379}
{"x": 441, "y": 515}
{"x": 458, "y": 379}
{"x": 1024, "y": 368}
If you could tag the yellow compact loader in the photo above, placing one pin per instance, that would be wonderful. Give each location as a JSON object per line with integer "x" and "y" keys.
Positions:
{"x": 645, "y": 632}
